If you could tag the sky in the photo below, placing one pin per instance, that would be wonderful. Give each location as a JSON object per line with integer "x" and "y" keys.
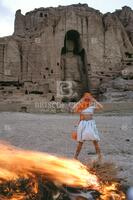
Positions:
{"x": 9, "y": 7}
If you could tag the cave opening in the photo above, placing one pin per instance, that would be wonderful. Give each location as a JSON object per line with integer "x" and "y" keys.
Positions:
{"x": 41, "y": 14}
{"x": 72, "y": 42}
{"x": 73, "y": 63}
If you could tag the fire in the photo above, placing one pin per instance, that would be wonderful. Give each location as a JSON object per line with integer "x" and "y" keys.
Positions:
{"x": 111, "y": 191}
{"x": 17, "y": 163}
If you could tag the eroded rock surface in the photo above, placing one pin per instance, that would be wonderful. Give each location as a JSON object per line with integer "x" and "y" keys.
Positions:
{"x": 95, "y": 50}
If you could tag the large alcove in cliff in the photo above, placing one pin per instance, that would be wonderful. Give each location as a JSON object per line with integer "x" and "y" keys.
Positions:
{"x": 73, "y": 64}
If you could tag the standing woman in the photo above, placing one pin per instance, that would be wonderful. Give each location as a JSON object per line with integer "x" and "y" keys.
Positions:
{"x": 87, "y": 129}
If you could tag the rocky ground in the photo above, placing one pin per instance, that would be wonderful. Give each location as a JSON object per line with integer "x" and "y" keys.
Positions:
{"x": 51, "y": 133}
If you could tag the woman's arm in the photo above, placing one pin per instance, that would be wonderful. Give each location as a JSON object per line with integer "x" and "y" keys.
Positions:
{"x": 98, "y": 105}
{"x": 77, "y": 107}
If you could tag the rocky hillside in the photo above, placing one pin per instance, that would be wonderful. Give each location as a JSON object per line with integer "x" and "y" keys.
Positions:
{"x": 76, "y": 43}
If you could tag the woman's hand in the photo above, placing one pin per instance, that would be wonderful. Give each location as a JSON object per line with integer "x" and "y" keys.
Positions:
{"x": 98, "y": 105}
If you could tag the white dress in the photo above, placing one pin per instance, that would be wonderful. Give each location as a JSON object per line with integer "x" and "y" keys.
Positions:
{"x": 87, "y": 129}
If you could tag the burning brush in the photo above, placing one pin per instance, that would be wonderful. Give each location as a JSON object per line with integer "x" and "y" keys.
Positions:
{"x": 29, "y": 175}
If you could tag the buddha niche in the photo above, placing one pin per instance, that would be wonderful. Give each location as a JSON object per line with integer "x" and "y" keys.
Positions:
{"x": 73, "y": 63}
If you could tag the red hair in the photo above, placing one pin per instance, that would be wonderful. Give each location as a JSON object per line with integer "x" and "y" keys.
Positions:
{"x": 83, "y": 103}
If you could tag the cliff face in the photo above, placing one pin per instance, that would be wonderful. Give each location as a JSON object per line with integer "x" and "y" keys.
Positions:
{"x": 47, "y": 41}
{"x": 126, "y": 17}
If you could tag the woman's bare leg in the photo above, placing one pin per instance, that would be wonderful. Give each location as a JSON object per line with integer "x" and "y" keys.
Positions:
{"x": 98, "y": 150}
{"x": 78, "y": 149}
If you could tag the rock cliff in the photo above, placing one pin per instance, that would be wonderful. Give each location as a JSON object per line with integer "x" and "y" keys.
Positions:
{"x": 76, "y": 44}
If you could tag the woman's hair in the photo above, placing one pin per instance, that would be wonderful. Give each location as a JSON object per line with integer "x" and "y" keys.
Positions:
{"x": 85, "y": 102}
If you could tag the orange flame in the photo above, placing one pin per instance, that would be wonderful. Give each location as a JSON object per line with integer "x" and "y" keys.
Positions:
{"x": 16, "y": 163}
{"x": 111, "y": 191}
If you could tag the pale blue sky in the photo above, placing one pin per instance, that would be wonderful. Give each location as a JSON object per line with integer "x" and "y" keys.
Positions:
{"x": 9, "y": 7}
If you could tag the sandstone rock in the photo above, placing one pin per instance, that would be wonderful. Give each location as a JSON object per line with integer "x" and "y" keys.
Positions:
{"x": 118, "y": 89}
{"x": 19, "y": 25}
{"x": 73, "y": 43}
{"x": 127, "y": 72}
{"x": 126, "y": 17}
{"x": 123, "y": 85}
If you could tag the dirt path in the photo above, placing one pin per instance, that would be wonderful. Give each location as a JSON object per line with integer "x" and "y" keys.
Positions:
{"x": 51, "y": 133}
